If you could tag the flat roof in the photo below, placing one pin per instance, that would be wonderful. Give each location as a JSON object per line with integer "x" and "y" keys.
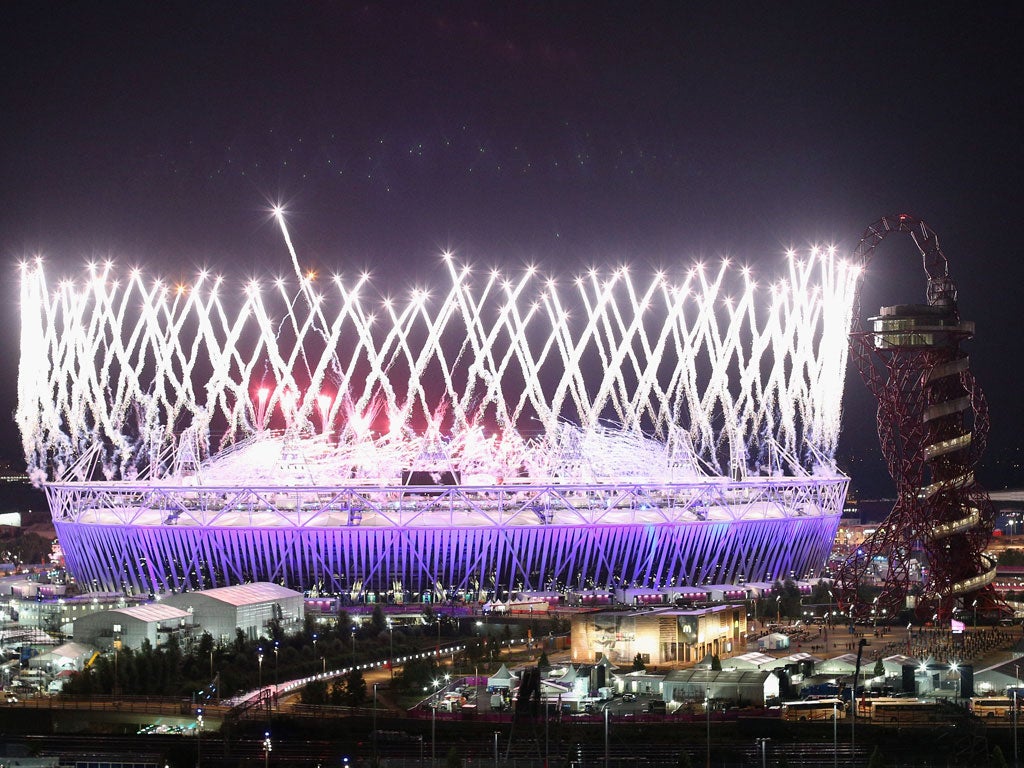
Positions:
{"x": 152, "y": 612}
{"x": 248, "y": 594}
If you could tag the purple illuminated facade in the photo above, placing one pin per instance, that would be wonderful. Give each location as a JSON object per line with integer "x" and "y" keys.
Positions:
{"x": 456, "y": 540}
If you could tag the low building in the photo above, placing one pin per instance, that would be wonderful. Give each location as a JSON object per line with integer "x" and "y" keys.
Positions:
{"x": 658, "y": 635}
{"x": 751, "y": 660}
{"x": 247, "y": 607}
{"x": 70, "y": 656}
{"x": 688, "y": 687}
{"x": 773, "y": 641}
{"x": 640, "y": 682}
{"x": 132, "y": 626}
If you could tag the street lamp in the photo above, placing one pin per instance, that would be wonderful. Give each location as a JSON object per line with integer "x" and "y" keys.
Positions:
{"x": 276, "y": 648}
{"x": 1016, "y": 691}
{"x": 433, "y": 730}
{"x": 707, "y": 710}
{"x": 391, "y": 640}
{"x": 117, "y": 647}
{"x": 496, "y": 735}
{"x": 259, "y": 661}
{"x": 835, "y": 734}
{"x": 315, "y": 638}
{"x": 375, "y": 725}
{"x": 606, "y": 736}
{"x": 353, "y": 646}
{"x": 268, "y": 747}
{"x": 199, "y": 736}
{"x": 763, "y": 743}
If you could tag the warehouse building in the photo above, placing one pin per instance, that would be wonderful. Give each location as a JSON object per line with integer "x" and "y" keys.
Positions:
{"x": 154, "y": 622}
{"x": 248, "y": 607}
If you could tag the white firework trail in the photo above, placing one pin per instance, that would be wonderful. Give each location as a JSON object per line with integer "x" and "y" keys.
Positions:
{"x": 129, "y": 364}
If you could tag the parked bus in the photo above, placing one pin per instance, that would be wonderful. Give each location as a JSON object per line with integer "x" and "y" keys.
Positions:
{"x": 991, "y": 706}
{"x": 814, "y": 709}
{"x": 902, "y": 711}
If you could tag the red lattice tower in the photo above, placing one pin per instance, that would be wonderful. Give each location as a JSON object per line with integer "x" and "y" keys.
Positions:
{"x": 933, "y": 424}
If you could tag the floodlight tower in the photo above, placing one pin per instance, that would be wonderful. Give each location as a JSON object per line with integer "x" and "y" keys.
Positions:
{"x": 933, "y": 423}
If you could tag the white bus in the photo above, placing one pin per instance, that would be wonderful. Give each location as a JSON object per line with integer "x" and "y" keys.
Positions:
{"x": 814, "y": 709}
{"x": 886, "y": 710}
{"x": 991, "y": 706}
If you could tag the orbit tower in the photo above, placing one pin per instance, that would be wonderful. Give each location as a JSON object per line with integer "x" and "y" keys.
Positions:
{"x": 933, "y": 423}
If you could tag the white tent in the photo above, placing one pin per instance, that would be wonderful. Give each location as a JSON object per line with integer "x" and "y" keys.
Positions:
{"x": 752, "y": 660}
{"x": 843, "y": 665}
{"x": 500, "y": 679}
{"x": 894, "y": 664}
{"x": 773, "y": 641}
{"x": 71, "y": 656}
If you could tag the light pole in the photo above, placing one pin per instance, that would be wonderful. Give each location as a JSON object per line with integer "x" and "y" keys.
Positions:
{"x": 117, "y": 647}
{"x": 315, "y": 638}
{"x": 605, "y": 736}
{"x": 707, "y": 710}
{"x": 391, "y": 642}
{"x": 496, "y": 735}
{"x": 375, "y": 725}
{"x": 763, "y": 743}
{"x": 276, "y": 648}
{"x": 353, "y": 646}
{"x": 433, "y": 733}
{"x": 268, "y": 747}
{"x": 259, "y": 661}
{"x": 835, "y": 734}
{"x": 199, "y": 737}
{"x": 1016, "y": 691}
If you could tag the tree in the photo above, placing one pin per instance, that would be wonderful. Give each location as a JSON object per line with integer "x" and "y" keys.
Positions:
{"x": 453, "y": 760}
{"x": 998, "y": 760}
{"x": 685, "y": 761}
{"x": 378, "y": 621}
{"x": 790, "y": 599}
{"x": 879, "y": 670}
{"x": 543, "y": 663}
{"x": 315, "y": 692}
{"x": 716, "y": 663}
{"x": 344, "y": 623}
{"x": 877, "y": 759}
{"x": 415, "y": 674}
{"x": 354, "y": 692}
{"x": 638, "y": 663}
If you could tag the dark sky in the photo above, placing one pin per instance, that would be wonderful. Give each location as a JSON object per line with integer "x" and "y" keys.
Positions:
{"x": 561, "y": 133}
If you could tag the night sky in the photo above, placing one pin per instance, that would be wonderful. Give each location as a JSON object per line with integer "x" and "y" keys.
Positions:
{"x": 562, "y": 134}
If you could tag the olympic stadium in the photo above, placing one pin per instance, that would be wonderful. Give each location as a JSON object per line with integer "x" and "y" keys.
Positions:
{"x": 495, "y": 434}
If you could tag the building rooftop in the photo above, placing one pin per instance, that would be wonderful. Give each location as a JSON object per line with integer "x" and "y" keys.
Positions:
{"x": 249, "y": 594}
{"x": 152, "y": 612}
